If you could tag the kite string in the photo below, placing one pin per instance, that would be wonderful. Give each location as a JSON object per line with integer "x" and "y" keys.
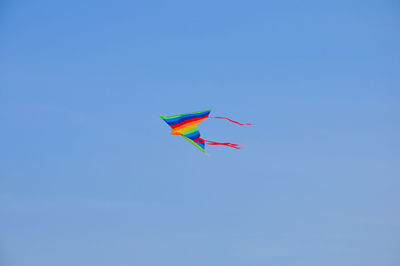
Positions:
{"x": 220, "y": 117}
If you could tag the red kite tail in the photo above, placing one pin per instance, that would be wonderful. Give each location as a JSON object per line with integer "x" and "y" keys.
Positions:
{"x": 208, "y": 142}
{"x": 220, "y": 117}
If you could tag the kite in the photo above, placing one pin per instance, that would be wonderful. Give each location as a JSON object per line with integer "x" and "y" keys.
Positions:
{"x": 185, "y": 125}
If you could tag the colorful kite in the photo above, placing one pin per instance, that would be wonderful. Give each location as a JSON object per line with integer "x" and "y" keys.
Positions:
{"x": 185, "y": 125}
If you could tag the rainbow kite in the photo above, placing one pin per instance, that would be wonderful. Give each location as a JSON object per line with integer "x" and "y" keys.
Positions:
{"x": 185, "y": 125}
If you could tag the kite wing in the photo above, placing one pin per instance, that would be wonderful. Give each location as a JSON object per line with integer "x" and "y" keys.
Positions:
{"x": 186, "y": 126}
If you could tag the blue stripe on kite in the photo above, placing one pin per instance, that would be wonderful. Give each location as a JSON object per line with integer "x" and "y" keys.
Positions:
{"x": 177, "y": 120}
{"x": 201, "y": 145}
{"x": 174, "y": 121}
{"x": 193, "y": 135}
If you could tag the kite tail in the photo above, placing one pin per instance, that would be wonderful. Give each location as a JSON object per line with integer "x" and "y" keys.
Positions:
{"x": 220, "y": 117}
{"x": 208, "y": 142}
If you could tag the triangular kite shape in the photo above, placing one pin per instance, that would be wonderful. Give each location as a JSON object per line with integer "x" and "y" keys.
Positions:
{"x": 186, "y": 126}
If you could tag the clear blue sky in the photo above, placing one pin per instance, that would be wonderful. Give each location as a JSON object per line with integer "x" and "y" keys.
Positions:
{"x": 90, "y": 175}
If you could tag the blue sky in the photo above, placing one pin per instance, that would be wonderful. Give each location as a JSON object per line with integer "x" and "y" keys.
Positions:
{"x": 90, "y": 175}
